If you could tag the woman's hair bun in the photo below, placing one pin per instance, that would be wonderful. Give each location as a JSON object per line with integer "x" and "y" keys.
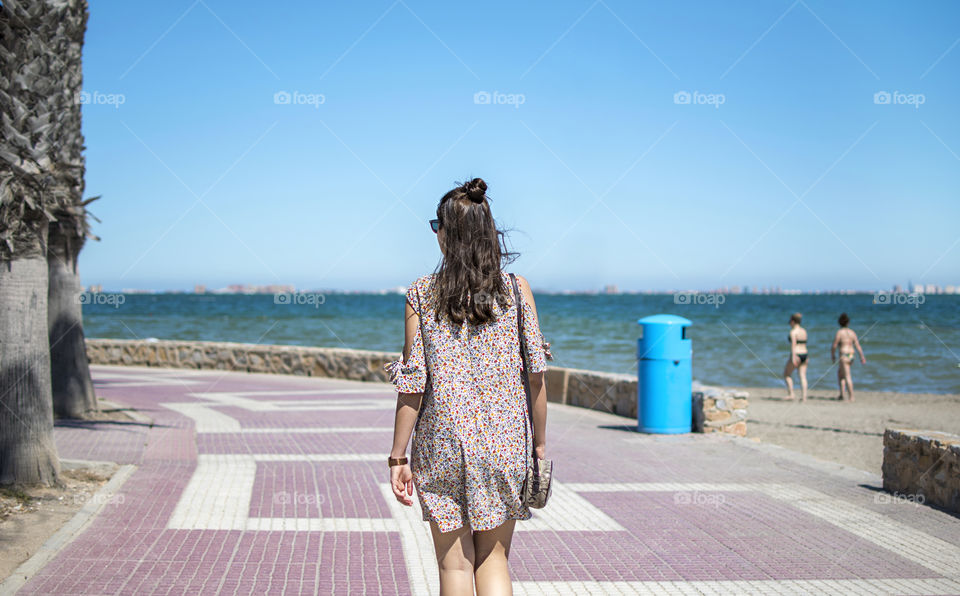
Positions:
{"x": 475, "y": 189}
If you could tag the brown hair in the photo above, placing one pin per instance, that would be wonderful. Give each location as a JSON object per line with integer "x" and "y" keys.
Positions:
{"x": 796, "y": 318}
{"x": 468, "y": 279}
{"x": 843, "y": 319}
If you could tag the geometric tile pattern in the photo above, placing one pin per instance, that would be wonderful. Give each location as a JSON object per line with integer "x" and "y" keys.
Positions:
{"x": 249, "y": 483}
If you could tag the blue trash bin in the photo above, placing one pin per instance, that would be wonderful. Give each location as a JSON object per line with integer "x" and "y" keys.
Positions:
{"x": 665, "y": 375}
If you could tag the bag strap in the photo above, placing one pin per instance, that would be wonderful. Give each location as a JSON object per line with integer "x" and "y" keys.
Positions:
{"x": 423, "y": 346}
{"x": 524, "y": 373}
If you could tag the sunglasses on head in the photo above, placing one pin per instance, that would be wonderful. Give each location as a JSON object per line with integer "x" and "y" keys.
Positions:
{"x": 435, "y": 225}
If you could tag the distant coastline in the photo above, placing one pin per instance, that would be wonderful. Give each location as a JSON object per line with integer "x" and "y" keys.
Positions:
{"x": 931, "y": 290}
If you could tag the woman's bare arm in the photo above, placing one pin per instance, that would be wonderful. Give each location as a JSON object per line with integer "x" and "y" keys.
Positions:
{"x": 856, "y": 344}
{"x": 408, "y": 404}
{"x": 538, "y": 384}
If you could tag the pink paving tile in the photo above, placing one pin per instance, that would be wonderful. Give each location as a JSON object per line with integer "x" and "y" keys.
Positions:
{"x": 121, "y": 442}
{"x": 278, "y": 442}
{"x": 585, "y": 556}
{"x": 307, "y": 418}
{"x": 315, "y": 394}
{"x": 318, "y": 489}
{"x": 751, "y": 536}
{"x": 263, "y": 562}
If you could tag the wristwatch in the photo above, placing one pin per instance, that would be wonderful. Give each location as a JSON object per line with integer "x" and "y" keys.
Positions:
{"x": 397, "y": 461}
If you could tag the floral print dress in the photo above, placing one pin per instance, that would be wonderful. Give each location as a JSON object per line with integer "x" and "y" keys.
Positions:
{"x": 468, "y": 454}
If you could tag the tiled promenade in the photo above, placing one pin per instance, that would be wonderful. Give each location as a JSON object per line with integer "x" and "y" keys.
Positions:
{"x": 259, "y": 484}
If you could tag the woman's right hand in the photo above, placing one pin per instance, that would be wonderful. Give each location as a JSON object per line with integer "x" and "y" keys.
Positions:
{"x": 540, "y": 450}
{"x": 401, "y": 479}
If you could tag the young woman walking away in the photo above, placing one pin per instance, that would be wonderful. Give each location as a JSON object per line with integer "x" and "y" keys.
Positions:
{"x": 460, "y": 392}
{"x": 798, "y": 357}
{"x": 846, "y": 341}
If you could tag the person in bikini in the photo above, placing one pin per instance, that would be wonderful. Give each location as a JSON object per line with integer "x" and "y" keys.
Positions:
{"x": 798, "y": 357}
{"x": 846, "y": 342}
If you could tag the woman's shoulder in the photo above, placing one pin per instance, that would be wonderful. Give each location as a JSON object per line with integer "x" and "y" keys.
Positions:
{"x": 419, "y": 287}
{"x": 522, "y": 284}
{"x": 423, "y": 280}
{"x": 520, "y": 279}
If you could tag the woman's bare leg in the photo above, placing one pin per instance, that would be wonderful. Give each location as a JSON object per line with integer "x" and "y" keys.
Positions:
{"x": 492, "y": 548}
{"x": 849, "y": 378}
{"x": 803, "y": 381}
{"x": 455, "y": 558}
{"x": 788, "y": 378}
{"x": 840, "y": 379}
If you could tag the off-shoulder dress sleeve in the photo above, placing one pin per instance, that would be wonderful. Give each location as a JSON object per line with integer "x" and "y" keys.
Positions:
{"x": 410, "y": 376}
{"x": 536, "y": 355}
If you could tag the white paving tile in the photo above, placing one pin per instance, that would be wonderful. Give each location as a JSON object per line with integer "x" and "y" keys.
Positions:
{"x": 797, "y": 587}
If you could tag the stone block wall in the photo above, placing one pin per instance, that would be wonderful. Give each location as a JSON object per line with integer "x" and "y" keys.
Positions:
{"x": 357, "y": 365}
{"x": 607, "y": 392}
{"x": 923, "y": 463}
{"x": 719, "y": 410}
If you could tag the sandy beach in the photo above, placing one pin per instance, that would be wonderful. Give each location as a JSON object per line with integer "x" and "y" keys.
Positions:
{"x": 844, "y": 432}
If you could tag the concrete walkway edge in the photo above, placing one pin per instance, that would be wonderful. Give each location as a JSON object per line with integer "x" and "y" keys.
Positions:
{"x": 66, "y": 534}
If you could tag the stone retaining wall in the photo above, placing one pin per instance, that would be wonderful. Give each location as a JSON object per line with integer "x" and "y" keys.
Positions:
{"x": 922, "y": 465}
{"x": 341, "y": 363}
{"x": 607, "y": 392}
{"x": 719, "y": 410}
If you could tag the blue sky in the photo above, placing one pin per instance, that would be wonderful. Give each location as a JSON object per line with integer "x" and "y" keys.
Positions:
{"x": 784, "y": 168}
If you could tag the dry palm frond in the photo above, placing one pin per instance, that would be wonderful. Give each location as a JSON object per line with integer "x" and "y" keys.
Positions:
{"x": 41, "y": 151}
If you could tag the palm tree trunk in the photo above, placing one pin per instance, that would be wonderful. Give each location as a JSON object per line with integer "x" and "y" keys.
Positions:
{"x": 73, "y": 395}
{"x": 28, "y": 454}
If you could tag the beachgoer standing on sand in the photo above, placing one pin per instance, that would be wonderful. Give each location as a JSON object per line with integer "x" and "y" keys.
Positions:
{"x": 846, "y": 341}
{"x": 798, "y": 357}
{"x": 461, "y": 372}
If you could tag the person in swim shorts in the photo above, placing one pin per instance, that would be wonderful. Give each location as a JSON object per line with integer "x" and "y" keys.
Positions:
{"x": 845, "y": 341}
